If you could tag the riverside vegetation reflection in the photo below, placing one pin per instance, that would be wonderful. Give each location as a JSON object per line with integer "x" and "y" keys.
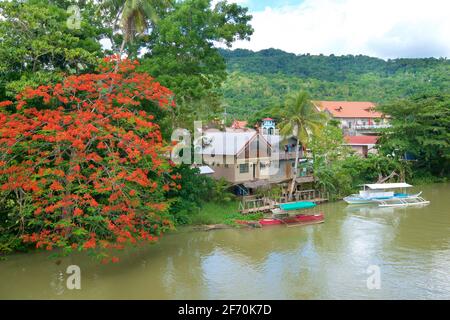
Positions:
{"x": 410, "y": 245}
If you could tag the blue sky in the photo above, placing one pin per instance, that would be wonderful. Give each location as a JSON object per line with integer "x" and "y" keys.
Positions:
{"x": 380, "y": 28}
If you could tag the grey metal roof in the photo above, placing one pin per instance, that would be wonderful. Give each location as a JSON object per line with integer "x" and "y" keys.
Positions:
{"x": 225, "y": 143}
{"x": 205, "y": 170}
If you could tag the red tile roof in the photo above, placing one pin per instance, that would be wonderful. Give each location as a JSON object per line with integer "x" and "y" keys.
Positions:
{"x": 239, "y": 124}
{"x": 349, "y": 109}
{"x": 267, "y": 119}
{"x": 361, "y": 140}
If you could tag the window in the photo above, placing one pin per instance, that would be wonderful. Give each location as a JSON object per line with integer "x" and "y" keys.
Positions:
{"x": 243, "y": 168}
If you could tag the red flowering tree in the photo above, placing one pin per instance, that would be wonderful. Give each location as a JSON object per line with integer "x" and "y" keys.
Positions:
{"x": 84, "y": 165}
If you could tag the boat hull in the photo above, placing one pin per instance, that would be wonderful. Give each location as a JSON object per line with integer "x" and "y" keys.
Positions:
{"x": 351, "y": 200}
{"x": 293, "y": 208}
{"x": 403, "y": 202}
{"x": 354, "y": 199}
{"x": 295, "y": 220}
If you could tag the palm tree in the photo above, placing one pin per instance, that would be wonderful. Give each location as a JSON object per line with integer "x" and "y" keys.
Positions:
{"x": 300, "y": 118}
{"x": 134, "y": 16}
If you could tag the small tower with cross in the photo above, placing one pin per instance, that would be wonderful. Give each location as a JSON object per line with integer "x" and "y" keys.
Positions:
{"x": 268, "y": 126}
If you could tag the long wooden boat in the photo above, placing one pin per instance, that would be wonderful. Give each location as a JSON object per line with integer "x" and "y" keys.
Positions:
{"x": 293, "y": 220}
{"x": 288, "y": 214}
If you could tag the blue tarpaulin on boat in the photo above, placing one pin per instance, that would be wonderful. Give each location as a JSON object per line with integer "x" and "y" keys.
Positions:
{"x": 297, "y": 205}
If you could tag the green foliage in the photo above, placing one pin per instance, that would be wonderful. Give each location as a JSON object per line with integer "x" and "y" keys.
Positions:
{"x": 328, "y": 146}
{"x": 37, "y": 47}
{"x": 221, "y": 192}
{"x": 214, "y": 212}
{"x": 300, "y": 118}
{"x": 258, "y": 80}
{"x": 195, "y": 190}
{"x": 273, "y": 192}
{"x": 421, "y": 128}
{"x": 232, "y": 217}
{"x": 181, "y": 54}
{"x": 135, "y": 16}
{"x": 9, "y": 237}
{"x": 342, "y": 177}
{"x": 221, "y": 213}
{"x": 331, "y": 162}
{"x": 327, "y": 68}
{"x": 130, "y": 21}
{"x": 271, "y": 111}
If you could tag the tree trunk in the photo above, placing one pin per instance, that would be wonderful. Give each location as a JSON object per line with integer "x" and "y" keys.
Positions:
{"x": 297, "y": 156}
{"x": 122, "y": 48}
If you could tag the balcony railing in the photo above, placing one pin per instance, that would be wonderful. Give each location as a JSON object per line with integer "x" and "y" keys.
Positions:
{"x": 371, "y": 126}
{"x": 304, "y": 179}
{"x": 287, "y": 155}
{"x": 291, "y": 155}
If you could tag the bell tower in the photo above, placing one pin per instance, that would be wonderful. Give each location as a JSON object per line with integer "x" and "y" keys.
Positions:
{"x": 268, "y": 126}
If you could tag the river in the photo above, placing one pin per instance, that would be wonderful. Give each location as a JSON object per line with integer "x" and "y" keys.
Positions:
{"x": 404, "y": 252}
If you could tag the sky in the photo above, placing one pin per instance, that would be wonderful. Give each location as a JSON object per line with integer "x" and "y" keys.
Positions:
{"x": 378, "y": 28}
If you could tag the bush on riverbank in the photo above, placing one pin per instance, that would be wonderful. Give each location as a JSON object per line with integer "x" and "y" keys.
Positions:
{"x": 213, "y": 213}
{"x": 344, "y": 176}
{"x": 220, "y": 213}
{"x": 201, "y": 199}
{"x": 420, "y": 130}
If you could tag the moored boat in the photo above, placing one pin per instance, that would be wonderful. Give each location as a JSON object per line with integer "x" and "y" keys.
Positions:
{"x": 292, "y": 208}
{"x": 289, "y": 214}
{"x": 295, "y": 220}
{"x": 383, "y": 194}
{"x": 403, "y": 202}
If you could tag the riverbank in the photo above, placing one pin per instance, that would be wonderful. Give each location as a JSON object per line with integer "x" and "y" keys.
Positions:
{"x": 214, "y": 216}
{"x": 226, "y": 213}
{"x": 410, "y": 245}
{"x": 212, "y": 213}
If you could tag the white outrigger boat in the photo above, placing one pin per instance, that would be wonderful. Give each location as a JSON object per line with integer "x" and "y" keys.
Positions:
{"x": 383, "y": 195}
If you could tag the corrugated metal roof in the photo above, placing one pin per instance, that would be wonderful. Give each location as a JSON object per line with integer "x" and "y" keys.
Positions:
{"x": 205, "y": 170}
{"x": 225, "y": 143}
{"x": 387, "y": 185}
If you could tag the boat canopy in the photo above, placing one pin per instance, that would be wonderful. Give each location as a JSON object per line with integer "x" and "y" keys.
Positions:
{"x": 297, "y": 205}
{"x": 377, "y": 186}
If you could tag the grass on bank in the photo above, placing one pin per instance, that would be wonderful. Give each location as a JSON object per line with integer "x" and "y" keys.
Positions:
{"x": 220, "y": 213}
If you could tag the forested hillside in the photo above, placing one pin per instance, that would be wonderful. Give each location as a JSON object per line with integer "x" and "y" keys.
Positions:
{"x": 260, "y": 79}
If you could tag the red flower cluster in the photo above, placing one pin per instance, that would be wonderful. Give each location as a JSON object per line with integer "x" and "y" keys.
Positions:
{"x": 87, "y": 161}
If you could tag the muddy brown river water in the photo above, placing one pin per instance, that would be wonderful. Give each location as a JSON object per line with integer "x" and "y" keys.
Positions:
{"x": 410, "y": 247}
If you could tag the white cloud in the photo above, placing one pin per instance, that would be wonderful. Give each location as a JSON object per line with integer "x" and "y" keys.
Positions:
{"x": 382, "y": 28}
